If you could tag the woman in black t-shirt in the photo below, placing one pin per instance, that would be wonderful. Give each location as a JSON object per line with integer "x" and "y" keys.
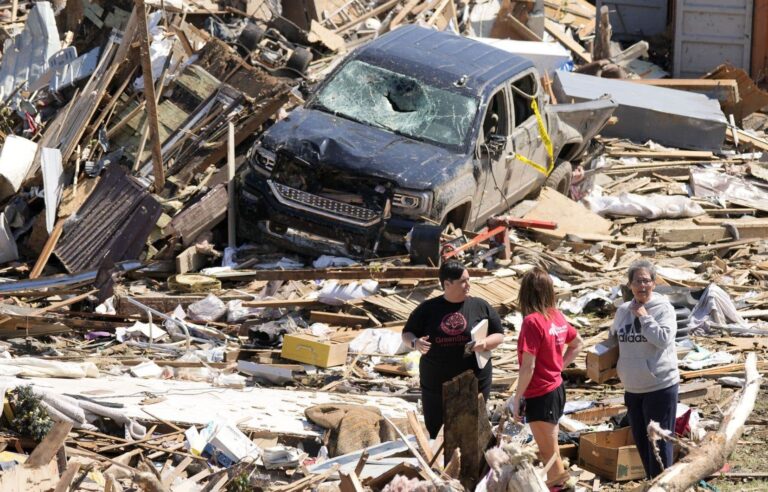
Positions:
{"x": 440, "y": 328}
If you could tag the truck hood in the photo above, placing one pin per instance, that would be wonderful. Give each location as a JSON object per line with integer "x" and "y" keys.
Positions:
{"x": 324, "y": 139}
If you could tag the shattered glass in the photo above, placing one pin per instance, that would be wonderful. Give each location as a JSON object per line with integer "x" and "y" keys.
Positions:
{"x": 404, "y": 105}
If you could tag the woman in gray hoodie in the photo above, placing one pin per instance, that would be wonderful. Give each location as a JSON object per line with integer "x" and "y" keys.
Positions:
{"x": 645, "y": 330}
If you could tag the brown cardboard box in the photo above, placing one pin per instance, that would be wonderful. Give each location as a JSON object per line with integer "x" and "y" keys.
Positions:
{"x": 611, "y": 454}
{"x": 601, "y": 361}
{"x": 312, "y": 350}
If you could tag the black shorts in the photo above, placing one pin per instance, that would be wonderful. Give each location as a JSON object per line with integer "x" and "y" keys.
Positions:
{"x": 546, "y": 408}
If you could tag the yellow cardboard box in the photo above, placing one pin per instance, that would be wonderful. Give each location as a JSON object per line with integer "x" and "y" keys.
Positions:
{"x": 312, "y": 350}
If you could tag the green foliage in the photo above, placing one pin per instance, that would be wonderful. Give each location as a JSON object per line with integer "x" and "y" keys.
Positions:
{"x": 30, "y": 418}
{"x": 241, "y": 483}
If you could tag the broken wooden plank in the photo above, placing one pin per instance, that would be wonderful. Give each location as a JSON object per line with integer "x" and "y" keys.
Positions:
{"x": 342, "y": 274}
{"x": 746, "y": 139}
{"x": 50, "y": 244}
{"x": 372, "y": 13}
{"x": 400, "y": 16}
{"x": 190, "y": 260}
{"x": 339, "y": 319}
{"x": 465, "y": 426}
{"x": 150, "y": 98}
{"x": 421, "y": 438}
{"x": 724, "y": 90}
{"x": 66, "y": 479}
{"x": 555, "y": 30}
{"x": 663, "y": 155}
{"x": 280, "y": 303}
{"x": 50, "y": 445}
{"x": 706, "y": 234}
{"x": 201, "y": 216}
{"x": 350, "y": 482}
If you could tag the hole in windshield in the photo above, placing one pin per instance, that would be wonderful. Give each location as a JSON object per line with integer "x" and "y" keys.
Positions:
{"x": 385, "y": 99}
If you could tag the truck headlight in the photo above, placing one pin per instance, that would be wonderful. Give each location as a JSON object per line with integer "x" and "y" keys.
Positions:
{"x": 410, "y": 202}
{"x": 262, "y": 157}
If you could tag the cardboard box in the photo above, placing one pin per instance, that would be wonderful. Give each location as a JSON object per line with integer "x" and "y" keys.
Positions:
{"x": 601, "y": 361}
{"x": 312, "y": 350}
{"x": 611, "y": 454}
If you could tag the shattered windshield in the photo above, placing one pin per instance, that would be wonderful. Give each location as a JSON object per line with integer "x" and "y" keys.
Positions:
{"x": 402, "y": 104}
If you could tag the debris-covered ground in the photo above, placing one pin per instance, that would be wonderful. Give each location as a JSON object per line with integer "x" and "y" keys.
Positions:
{"x": 205, "y": 273}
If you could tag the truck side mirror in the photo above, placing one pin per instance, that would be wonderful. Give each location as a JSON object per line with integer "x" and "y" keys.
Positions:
{"x": 496, "y": 144}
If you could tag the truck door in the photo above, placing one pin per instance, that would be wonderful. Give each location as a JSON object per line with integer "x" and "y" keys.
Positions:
{"x": 526, "y": 139}
{"x": 491, "y": 170}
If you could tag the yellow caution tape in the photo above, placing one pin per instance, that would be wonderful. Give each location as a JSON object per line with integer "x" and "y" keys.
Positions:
{"x": 547, "y": 144}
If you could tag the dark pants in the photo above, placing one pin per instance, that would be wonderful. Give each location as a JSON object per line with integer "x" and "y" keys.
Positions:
{"x": 659, "y": 406}
{"x": 432, "y": 379}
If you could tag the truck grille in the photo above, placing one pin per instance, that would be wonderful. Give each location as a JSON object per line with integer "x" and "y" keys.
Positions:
{"x": 323, "y": 206}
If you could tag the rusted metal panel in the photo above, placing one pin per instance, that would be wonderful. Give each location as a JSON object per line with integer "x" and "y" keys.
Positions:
{"x": 709, "y": 33}
{"x": 114, "y": 223}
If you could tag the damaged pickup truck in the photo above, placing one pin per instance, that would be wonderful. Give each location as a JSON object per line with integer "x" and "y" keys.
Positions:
{"x": 416, "y": 126}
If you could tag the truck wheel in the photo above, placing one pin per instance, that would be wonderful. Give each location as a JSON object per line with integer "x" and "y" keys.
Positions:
{"x": 560, "y": 179}
{"x": 251, "y": 36}
{"x": 299, "y": 60}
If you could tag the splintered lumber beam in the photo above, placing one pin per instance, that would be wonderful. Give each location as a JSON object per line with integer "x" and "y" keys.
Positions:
{"x": 394, "y": 273}
{"x": 150, "y": 98}
{"x": 350, "y": 482}
{"x": 407, "y": 8}
{"x": 49, "y": 446}
{"x": 425, "y": 469}
{"x": 373, "y": 13}
{"x": 554, "y": 29}
{"x": 746, "y": 139}
{"x": 421, "y": 438}
{"x": 666, "y": 155}
{"x": 338, "y": 319}
{"x": 706, "y": 233}
{"x": 466, "y": 426}
{"x": 724, "y": 90}
{"x": 50, "y": 245}
{"x": 712, "y": 454}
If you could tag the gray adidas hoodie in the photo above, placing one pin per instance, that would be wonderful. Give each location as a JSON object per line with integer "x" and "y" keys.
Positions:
{"x": 647, "y": 355}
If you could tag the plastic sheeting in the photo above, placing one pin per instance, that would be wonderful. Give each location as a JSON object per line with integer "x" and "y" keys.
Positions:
{"x": 32, "y": 367}
{"x": 378, "y": 341}
{"x": 646, "y": 206}
{"x": 714, "y": 307}
{"x": 726, "y": 188}
{"x": 159, "y": 50}
{"x": 336, "y": 294}
{"x": 82, "y": 413}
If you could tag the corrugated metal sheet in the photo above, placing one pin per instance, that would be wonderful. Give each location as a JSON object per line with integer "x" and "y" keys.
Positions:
{"x": 666, "y": 116}
{"x": 636, "y": 19}
{"x": 25, "y": 56}
{"x": 709, "y": 33}
{"x": 113, "y": 223}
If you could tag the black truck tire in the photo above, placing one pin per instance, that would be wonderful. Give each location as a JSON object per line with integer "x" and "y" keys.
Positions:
{"x": 251, "y": 36}
{"x": 560, "y": 178}
{"x": 299, "y": 60}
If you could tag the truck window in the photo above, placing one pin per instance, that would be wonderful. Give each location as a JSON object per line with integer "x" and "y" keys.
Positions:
{"x": 378, "y": 97}
{"x": 495, "y": 122}
{"x": 521, "y": 103}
